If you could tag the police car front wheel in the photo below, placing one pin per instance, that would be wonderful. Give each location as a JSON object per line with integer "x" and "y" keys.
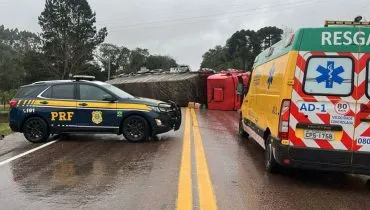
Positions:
{"x": 135, "y": 128}
{"x": 36, "y": 130}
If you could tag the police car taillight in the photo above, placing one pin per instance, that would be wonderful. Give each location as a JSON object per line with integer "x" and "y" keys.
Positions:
{"x": 13, "y": 103}
{"x": 284, "y": 120}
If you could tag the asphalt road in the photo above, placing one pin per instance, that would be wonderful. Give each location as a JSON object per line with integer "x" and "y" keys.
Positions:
{"x": 204, "y": 165}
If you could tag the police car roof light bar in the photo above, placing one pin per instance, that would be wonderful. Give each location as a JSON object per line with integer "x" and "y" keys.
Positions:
{"x": 83, "y": 77}
{"x": 345, "y": 23}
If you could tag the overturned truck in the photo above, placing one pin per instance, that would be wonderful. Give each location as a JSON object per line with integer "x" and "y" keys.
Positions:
{"x": 178, "y": 87}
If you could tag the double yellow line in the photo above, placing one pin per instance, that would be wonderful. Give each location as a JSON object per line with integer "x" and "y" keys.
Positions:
{"x": 207, "y": 198}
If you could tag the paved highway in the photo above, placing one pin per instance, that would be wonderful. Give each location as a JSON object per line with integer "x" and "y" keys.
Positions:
{"x": 202, "y": 166}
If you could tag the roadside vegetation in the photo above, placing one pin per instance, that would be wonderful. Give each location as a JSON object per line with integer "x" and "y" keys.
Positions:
{"x": 4, "y": 108}
{"x": 241, "y": 49}
{"x": 4, "y": 129}
{"x": 66, "y": 46}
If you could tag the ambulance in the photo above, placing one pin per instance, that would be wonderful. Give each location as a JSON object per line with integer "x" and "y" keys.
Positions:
{"x": 308, "y": 100}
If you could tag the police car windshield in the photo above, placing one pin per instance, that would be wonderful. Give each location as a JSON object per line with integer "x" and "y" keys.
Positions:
{"x": 118, "y": 91}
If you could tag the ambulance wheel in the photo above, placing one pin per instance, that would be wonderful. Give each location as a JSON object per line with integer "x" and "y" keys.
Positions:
{"x": 36, "y": 130}
{"x": 135, "y": 129}
{"x": 271, "y": 165}
{"x": 241, "y": 131}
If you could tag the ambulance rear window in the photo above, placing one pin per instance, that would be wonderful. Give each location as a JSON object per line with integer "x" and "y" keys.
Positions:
{"x": 329, "y": 76}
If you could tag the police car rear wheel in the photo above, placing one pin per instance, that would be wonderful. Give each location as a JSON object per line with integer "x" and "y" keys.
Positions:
{"x": 270, "y": 163}
{"x": 36, "y": 130}
{"x": 135, "y": 129}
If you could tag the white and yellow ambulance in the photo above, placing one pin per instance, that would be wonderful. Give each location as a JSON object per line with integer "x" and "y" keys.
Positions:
{"x": 308, "y": 101}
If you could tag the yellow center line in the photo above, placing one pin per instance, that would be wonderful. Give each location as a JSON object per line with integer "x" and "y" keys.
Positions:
{"x": 185, "y": 195}
{"x": 207, "y": 197}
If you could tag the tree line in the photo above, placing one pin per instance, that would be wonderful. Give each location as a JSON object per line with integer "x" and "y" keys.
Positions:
{"x": 123, "y": 60}
{"x": 241, "y": 49}
{"x": 69, "y": 44}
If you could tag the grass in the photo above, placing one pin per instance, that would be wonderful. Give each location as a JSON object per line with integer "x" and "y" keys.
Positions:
{"x": 4, "y": 109}
{"x": 4, "y": 129}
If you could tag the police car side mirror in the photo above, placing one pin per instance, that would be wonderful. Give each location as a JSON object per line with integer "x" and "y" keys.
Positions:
{"x": 109, "y": 98}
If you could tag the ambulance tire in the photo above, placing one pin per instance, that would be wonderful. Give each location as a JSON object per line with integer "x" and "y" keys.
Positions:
{"x": 271, "y": 165}
{"x": 36, "y": 130}
{"x": 241, "y": 132}
{"x": 135, "y": 128}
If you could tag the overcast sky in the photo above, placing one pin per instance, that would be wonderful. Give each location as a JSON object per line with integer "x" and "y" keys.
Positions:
{"x": 185, "y": 29}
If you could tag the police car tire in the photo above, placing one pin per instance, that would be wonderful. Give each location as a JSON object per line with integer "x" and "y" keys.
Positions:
{"x": 271, "y": 165}
{"x": 145, "y": 128}
{"x": 43, "y": 129}
{"x": 241, "y": 131}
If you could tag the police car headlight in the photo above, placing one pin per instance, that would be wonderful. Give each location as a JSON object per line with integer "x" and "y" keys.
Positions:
{"x": 155, "y": 108}
{"x": 165, "y": 107}
{"x": 162, "y": 108}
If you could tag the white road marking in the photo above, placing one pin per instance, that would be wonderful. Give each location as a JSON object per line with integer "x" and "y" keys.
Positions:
{"x": 26, "y": 153}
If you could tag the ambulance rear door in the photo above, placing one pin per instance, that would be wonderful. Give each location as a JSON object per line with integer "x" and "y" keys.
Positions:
{"x": 323, "y": 103}
{"x": 361, "y": 146}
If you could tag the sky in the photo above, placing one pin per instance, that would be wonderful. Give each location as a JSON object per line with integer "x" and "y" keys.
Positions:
{"x": 186, "y": 29}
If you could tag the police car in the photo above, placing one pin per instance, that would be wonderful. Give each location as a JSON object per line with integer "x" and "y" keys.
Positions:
{"x": 83, "y": 105}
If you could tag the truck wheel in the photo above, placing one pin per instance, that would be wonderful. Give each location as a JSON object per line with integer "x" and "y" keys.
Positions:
{"x": 36, "y": 130}
{"x": 135, "y": 129}
{"x": 241, "y": 131}
{"x": 271, "y": 165}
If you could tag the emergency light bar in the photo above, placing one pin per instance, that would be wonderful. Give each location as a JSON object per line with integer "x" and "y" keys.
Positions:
{"x": 83, "y": 77}
{"x": 345, "y": 23}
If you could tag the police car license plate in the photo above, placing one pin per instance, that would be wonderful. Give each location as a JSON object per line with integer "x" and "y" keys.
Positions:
{"x": 317, "y": 134}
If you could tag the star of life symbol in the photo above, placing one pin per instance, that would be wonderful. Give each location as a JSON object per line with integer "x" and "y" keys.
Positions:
{"x": 330, "y": 74}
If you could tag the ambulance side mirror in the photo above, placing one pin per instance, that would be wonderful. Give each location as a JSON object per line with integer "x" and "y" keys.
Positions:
{"x": 109, "y": 98}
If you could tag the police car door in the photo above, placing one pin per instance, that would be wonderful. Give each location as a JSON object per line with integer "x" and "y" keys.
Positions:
{"x": 94, "y": 113}
{"x": 57, "y": 104}
{"x": 323, "y": 106}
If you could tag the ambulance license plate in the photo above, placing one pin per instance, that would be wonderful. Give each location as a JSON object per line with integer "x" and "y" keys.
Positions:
{"x": 321, "y": 135}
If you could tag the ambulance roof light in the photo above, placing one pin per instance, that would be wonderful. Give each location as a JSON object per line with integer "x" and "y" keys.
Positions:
{"x": 83, "y": 77}
{"x": 358, "y": 19}
{"x": 346, "y": 23}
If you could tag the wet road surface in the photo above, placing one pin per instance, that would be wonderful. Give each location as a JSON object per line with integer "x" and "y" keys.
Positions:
{"x": 204, "y": 165}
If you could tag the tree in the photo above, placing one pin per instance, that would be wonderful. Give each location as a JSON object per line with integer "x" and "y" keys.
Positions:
{"x": 268, "y": 36}
{"x": 69, "y": 35}
{"x": 20, "y": 41}
{"x": 35, "y": 67}
{"x": 137, "y": 59}
{"x": 12, "y": 72}
{"x": 241, "y": 49}
{"x": 93, "y": 68}
{"x": 160, "y": 62}
{"x": 215, "y": 58}
{"x": 115, "y": 56}
{"x": 6, "y": 96}
{"x": 20, "y": 58}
